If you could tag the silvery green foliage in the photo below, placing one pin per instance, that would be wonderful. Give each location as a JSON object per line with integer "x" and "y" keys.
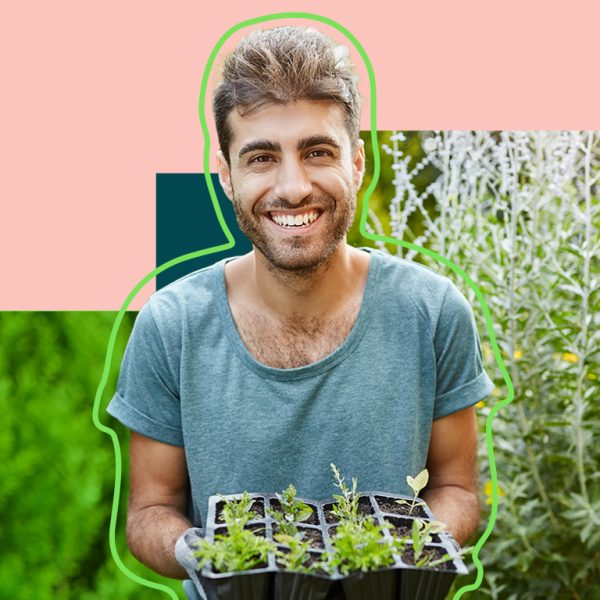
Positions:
{"x": 520, "y": 213}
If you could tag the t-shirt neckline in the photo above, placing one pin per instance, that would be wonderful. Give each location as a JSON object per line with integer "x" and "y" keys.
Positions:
{"x": 312, "y": 369}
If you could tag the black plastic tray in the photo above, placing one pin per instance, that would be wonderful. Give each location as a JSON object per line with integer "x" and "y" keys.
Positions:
{"x": 402, "y": 581}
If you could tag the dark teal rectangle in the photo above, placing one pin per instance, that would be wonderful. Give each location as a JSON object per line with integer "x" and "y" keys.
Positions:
{"x": 186, "y": 222}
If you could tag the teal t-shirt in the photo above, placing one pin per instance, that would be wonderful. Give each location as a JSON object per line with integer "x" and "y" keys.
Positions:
{"x": 187, "y": 379}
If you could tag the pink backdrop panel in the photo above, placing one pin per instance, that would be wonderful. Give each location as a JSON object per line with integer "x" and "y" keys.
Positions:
{"x": 99, "y": 97}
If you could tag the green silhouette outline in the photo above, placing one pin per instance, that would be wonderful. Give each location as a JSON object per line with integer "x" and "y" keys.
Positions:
{"x": 231, "y": 243}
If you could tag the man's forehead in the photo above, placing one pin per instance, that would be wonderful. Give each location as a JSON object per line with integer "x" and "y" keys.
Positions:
{"x": 288, "y": 124}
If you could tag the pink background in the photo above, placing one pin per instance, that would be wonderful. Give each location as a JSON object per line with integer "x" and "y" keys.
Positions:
{"x": 97, "y": 97}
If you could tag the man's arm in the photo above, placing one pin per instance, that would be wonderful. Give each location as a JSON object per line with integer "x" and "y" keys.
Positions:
{"x": 157, "y": 504}
{"x": 452, "y": 462}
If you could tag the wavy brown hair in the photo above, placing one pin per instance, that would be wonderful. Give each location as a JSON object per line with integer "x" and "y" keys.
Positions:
{"x": 281, "y": 65}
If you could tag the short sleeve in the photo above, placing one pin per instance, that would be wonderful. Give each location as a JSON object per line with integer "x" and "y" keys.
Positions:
{"x": 147, "y": 396}
{"x": 461, "y": 380}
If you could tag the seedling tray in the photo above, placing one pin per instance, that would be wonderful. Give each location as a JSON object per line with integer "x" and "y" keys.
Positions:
{"x": 402, "y": 581}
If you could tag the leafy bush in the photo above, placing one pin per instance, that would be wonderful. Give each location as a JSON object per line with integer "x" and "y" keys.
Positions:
{"x": 56, "y": 468}
{"x": 519, "y": 212}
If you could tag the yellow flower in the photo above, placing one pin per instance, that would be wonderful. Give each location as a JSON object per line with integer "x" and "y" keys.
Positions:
{"x": 487, "y": 352}
{"x": 517, "y": 355}
{"x": 487, "y": 490}
{"x": 592, "y": 376}
{"x": 480, "y": 404}
{"x": 570, "y": 357}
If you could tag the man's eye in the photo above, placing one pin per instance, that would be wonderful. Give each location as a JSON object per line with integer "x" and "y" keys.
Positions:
{"x": 318, "y": 153}
{"x": 260, "y": 159}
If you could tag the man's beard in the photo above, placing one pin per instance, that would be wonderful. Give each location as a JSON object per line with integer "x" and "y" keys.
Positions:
{"x": 296, "y": 254}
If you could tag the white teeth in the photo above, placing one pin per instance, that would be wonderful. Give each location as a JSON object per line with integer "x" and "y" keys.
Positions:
{"x": 295, "y": 220}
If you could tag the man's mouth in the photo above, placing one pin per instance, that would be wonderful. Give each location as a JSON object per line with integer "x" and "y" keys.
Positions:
{"x": 295, "y": 220}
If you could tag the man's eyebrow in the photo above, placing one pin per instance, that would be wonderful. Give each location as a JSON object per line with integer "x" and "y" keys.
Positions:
{"x": 259, "y": 145}
{"x": 317, "y": 140}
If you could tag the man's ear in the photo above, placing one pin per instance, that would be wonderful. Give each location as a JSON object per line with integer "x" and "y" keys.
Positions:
{"x": 224, "y": 175}
{"x": 358, "y": 164}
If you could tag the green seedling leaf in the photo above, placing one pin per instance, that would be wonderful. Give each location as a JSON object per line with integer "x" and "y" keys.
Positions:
{"x": 304, "y": 514}
{"x": 416, "y": 538}
{"x": 419, "y": 482}
{"x": 284, "y": 538}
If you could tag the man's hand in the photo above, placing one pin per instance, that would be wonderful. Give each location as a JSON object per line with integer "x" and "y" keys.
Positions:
{"x": 452, "y": 489}
{"x": 157, "y": 504}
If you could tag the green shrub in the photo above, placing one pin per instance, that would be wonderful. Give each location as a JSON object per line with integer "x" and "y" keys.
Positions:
{"x": 520, "y": 213}
{"x": 56, "y": 468}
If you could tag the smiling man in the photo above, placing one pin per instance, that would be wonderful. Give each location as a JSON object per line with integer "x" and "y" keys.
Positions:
{"x": 264, "y": 369}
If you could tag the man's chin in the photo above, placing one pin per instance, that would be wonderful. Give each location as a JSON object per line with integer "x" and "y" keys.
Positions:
{"x": 295, "y": 263}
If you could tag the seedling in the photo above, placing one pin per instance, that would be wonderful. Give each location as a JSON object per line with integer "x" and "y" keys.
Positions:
{"x": 359, "y": 546}
{"x": 416, "y": 484}
{"x": 238, "y": 510}
{"x": 239, "y": 549}
{"x": 297, "y": 558}
{"x": 292, "y": 511}
{"x": 346, "y": 504}
{"x": 421, "y": 535}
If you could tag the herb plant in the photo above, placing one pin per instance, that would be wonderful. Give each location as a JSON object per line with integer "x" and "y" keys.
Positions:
{"x": 346, "y": 503}
{"x": 360, "y": 546}
{"x": 292, "y": 511}
{"x": 421, "y": 535}
{"x": 359, "y": 543}
{"x": 239, "y": 549}
{"x": 296, "y": 556}
{"x": 238, "y": 510}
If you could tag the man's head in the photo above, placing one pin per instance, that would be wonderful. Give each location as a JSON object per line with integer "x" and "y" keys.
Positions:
{"x": 283, "y": 65}
{"x": 291, "y": 160}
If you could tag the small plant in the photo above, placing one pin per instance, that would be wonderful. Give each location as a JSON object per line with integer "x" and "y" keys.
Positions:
{"x": 360, "y": 546}
{"x": 296, "y": 557}
{"x": 239, "y": 549}
{"x": 416, "y": 485}
{"x": 292, "y": 511}
{"x": 346, "y": 504}
{"x": 238, "y": 510}
{"x": 421, "y": 535}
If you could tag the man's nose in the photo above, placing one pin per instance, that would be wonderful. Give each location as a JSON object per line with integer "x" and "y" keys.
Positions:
{"x": 293, "y": 183}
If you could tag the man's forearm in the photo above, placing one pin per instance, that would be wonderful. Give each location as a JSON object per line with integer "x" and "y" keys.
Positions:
{"x": 151, "y": 536}
{"x": 457, "y": 507}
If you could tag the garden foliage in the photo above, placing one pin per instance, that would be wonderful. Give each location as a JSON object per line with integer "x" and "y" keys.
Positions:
{"x": 520, "y": 213}
{"x": 56, "y": 468}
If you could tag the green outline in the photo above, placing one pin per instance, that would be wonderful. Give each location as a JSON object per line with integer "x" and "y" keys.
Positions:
{"x": 231, "y": 243}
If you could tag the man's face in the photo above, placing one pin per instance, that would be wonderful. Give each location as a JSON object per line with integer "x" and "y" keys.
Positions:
{"x": 293, "y": 180}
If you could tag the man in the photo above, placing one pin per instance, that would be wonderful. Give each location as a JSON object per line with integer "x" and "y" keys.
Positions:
{"x": 262, "y": 370}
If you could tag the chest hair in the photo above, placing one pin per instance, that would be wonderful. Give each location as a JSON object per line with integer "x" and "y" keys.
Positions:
{"x": 293, "y": 342}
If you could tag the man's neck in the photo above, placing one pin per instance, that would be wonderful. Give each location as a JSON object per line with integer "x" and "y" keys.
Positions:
{"x": 283, "y": 294}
